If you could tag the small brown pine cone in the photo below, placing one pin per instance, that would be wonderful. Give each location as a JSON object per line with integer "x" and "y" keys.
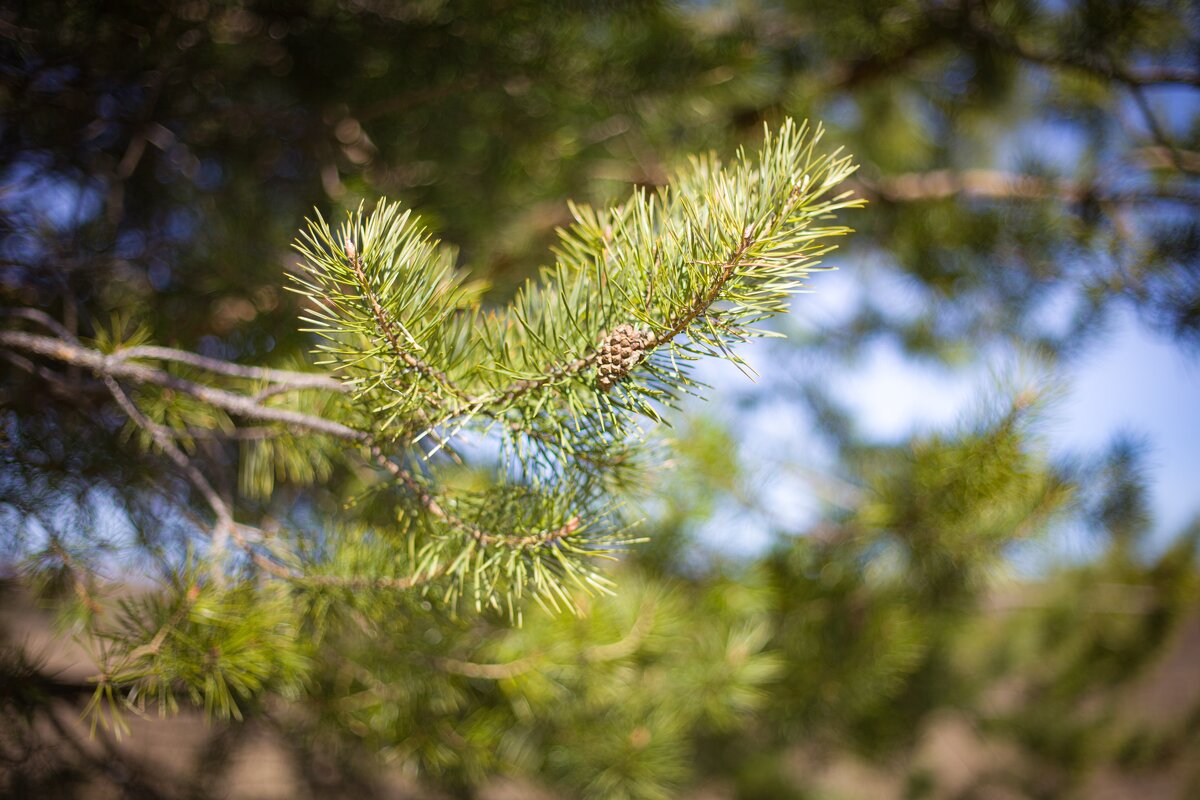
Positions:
{"x": 621, "y": 349}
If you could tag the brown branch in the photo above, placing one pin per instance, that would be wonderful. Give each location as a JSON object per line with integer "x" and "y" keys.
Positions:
{"x": 115, "y": 367}
{"x": 624, "y": 647}
{"x": 1103, "y": 598}
{"x": 556, "y": 372}
{"x": 110, "y": 369}
{"x": 165, "y": 437}
{"x": 628, "y": 644}
{"x": 226, "y": 526}
{"x": 57, "y": 384}
{"x": 1157, "y": 132}
{"x": 1160, "y": 157}
{"x": 286, "y": 379}
{"x": 225, "y": 523}
{"x": 155, "y": 429}
{"x": 705, "y": 301}
{"x": 998, "y": 185}
{"x": 43, "y": 319}
{"x": 280, "y": 571}
{"x": 1132, "y": 76}
{"x": 491, "y": 672}
{"x": 78, "y": 574}
{"x": 153, "y": 647}
{"x": 1104, "y": 68}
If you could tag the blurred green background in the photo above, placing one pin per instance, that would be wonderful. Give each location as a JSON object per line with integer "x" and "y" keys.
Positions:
{"x": 945, "y": 546}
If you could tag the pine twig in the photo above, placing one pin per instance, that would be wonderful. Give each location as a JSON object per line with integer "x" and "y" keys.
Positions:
{"x": 387, "y": 328}
{"x": 431, "y": 504}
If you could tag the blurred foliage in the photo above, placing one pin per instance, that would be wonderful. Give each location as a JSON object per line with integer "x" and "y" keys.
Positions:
{"x": 1031, "y": 168}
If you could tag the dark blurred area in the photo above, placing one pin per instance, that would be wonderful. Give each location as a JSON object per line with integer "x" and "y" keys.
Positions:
{"x": 1032, "y": 170}
{"x": 1109, "y": 726}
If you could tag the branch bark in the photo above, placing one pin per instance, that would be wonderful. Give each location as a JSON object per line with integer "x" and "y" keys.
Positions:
{"x": 118, "y": 366}
{"x": 998, "y": 185}
{"x": 286, "y": 379}
{"x": 110, "y": 368}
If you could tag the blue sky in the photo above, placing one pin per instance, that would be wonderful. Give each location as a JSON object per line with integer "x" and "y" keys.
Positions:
{"x": 1129, "y": 380}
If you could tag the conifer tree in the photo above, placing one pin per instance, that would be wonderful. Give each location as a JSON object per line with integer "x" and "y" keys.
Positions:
{"x": 1031, "y": 171}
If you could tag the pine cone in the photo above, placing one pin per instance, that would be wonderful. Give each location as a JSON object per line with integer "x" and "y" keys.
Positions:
{"x": 621, "y": 349}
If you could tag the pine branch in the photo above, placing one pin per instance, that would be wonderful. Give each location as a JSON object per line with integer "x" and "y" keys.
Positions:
{"x": 563, "y": 373}
{"x": 118, "y": 366}
{"x": 677, "y": 230}
{"x": 557, "y": 384}
{"x": 431, "y": 504}
{"x": 387, "y": 328}
{"x": 111, "y": 367}
{"x": 673, "y": 327}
